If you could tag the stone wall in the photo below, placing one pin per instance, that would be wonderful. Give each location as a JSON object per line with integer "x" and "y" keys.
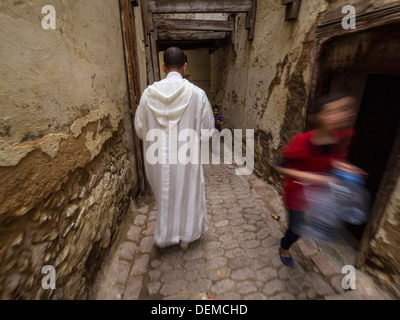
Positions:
{"x": 384, "y": 248}
{"x": 67, "y": 165}
{"x": 264, "y": 81}
{"x": 264, "y": 85}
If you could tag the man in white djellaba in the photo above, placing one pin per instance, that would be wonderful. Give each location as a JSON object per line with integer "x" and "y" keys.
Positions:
{"x": 170, "y": 111}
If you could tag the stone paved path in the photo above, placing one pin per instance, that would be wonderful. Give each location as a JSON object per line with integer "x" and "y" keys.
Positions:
{"x": 236, "y": 259}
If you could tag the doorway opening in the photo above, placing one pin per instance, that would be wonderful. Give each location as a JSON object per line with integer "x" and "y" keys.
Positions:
{"x": 366, "y": 64}
{"x": 376, "y": 126}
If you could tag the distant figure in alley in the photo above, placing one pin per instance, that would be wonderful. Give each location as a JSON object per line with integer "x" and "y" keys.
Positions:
{"x": 172, "y": 105}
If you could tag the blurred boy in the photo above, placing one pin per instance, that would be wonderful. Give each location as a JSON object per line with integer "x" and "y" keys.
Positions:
{"x": 218, "y": 117}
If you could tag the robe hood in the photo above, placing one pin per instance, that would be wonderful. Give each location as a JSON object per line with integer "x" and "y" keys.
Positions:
{"x": 168, "y": 100}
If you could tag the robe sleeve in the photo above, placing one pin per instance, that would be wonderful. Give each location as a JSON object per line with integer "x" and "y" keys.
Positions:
{"x": 139, "y": 117}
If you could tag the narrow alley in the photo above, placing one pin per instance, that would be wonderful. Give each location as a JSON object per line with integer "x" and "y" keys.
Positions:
{"x": 88, "y": 87}
{"x": 237, "y": 259}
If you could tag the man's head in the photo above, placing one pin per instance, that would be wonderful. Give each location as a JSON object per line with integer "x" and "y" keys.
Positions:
{"x": 174, "y": 60}
{"x": 215, "y": 109}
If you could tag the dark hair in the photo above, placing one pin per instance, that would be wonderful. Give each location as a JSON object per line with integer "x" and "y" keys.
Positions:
{"x": 322, "y": 101}
{"x": 174, "y": 58}
{"x": 215, "y": 107}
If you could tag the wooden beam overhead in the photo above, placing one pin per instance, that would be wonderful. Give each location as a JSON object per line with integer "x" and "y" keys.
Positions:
{"x": 190, "y": 35}
{"x": 187, "y": 45}
{"x": 199, "y": 6}
{"x": 331, "y": 24}
{"x": 190, "y": 24}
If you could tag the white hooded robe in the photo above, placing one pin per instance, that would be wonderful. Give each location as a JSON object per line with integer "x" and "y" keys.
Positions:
{"x": 170, "y": 106}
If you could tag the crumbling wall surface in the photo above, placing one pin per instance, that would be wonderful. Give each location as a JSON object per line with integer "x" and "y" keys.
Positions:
{"x": 67, "y": 167}
{"x": 383, "y": 253}
{"x": 262, "y": 84}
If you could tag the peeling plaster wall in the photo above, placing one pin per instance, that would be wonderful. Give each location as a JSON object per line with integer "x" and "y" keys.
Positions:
{"x": 383, "y": 254}
{"x": 67, "y": 167}
{"x": 262, "y": 84}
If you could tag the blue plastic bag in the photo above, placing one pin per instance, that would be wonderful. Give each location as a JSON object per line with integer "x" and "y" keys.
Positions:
{"x": 351, "y": 197}
{"x": 330, "y": 207}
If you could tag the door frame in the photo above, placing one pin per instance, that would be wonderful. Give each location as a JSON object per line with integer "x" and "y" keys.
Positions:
{"x": 329, "y": 30}
{"x": 133, "y": 80}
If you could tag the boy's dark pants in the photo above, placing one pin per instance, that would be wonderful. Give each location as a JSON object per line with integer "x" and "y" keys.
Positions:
{"x": 290, "y": 237}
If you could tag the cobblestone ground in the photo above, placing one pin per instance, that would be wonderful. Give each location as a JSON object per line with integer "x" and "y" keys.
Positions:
{"x": 236, "y": 259}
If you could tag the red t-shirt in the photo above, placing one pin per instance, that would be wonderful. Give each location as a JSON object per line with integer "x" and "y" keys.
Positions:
{"x": 301, "y": 154}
